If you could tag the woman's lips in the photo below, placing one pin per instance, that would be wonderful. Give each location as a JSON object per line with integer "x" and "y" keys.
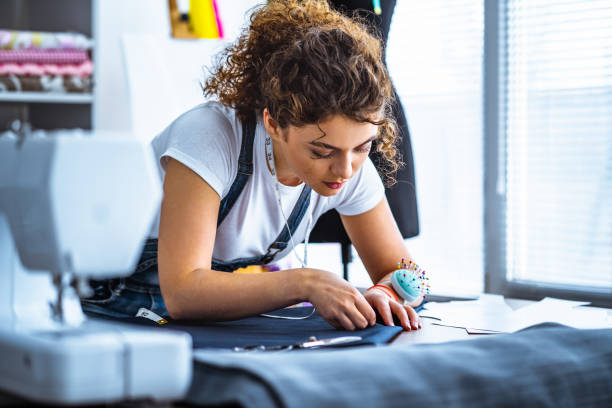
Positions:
{"x": 333, "y": 186}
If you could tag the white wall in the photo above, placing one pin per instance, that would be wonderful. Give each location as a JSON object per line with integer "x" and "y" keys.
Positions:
{"x": 111, "y": 19}
{"x": 143, "y": 77}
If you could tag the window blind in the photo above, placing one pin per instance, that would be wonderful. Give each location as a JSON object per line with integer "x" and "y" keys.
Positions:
{"x": 557, "y": 117}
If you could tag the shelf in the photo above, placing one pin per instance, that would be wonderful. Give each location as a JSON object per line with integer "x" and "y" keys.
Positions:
{"x": 46, "y": 97}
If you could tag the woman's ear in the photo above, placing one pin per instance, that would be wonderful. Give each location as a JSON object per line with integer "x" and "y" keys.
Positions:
{"x": 272, "y": 126}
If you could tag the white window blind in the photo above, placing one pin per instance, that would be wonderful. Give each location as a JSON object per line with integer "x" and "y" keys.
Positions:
{"x": 558, "y": 141}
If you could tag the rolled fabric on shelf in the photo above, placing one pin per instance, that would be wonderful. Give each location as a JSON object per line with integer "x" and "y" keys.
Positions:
{"x": 19, "y": 40}
{"x": 45, "y": 83}
{"x": 50, "y": 56}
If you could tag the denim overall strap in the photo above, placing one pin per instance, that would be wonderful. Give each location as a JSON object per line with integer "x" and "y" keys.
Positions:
{"x": 279, "y": 244}
{"x": 245, "y": 168}
{"x": 293, "y": 222}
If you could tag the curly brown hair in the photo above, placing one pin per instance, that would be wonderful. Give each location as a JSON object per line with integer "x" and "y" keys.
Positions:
{"x": 306, "y": 62}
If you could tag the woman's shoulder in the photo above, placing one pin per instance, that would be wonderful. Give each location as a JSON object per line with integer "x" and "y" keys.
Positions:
{"x": 209, "y": 114}
{"x": 206, "y": 139}
{"x": 206, "y": 126}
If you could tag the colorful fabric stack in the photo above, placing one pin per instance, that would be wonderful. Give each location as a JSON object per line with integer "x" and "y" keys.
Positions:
{"x": 45, "y": 62}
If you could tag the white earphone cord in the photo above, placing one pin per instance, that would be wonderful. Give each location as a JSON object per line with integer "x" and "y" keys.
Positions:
{"x": 304, "y": 262}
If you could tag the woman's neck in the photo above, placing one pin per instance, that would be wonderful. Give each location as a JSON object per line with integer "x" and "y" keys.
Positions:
{"x": 283, "y": 173}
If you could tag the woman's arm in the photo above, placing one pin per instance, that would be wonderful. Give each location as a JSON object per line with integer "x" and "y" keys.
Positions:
{"x": 380, "y": 246}
{"x": 191, "y": 289}
{"x": 187, "y": 231}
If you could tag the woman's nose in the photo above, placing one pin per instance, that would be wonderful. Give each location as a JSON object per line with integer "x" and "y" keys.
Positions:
{"x": 343, "y": 167}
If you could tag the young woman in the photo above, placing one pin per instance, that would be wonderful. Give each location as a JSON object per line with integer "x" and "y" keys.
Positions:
{"x": 300, "y": 99}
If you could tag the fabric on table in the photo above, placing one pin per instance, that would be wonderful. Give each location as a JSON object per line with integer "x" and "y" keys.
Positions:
{"x": 545, "y": 366}
{"x": 45, "y": 83}
{"x": 83, "y": 69}
{"x": 259, "y": 330}
{"x": 51, "y": 56}
{"x": 18, "y": 40}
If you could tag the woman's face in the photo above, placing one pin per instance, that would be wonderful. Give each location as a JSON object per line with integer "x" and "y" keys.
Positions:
{"x": 324, "y": 156}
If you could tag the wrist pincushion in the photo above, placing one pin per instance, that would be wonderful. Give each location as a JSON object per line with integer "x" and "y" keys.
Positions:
{"x": 410, "y": 282}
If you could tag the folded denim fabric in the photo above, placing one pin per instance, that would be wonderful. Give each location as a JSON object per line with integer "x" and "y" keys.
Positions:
{"x": 547, "y": 365}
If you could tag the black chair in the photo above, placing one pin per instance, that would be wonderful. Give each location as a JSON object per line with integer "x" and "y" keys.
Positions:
{"x": 402, "y": 195}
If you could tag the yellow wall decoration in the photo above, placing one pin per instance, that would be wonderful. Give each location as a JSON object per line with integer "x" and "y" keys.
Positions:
{"x": 203, "y": 19}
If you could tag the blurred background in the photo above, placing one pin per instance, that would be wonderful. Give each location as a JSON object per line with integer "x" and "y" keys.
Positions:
{"x": 509, "y": 105}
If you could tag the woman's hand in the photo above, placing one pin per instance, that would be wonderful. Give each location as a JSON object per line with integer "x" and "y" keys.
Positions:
{"x": 337, "y": 301}
{"x": 388, "y": 307}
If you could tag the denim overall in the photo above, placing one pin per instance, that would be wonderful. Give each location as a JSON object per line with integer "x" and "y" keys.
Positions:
{"x": 122, "y": 297}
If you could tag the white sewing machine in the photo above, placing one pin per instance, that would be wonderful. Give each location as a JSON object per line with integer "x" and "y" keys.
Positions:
{"x": 74, "y": 207}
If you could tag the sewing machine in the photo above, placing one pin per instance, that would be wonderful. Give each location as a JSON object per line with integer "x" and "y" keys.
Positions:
{"x": 73, "y": 207}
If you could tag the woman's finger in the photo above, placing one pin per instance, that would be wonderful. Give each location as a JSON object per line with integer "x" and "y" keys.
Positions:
{"x": 346, "y": 323}
{"x": 366, "y": 310}
{"x": 401, "y": 313}
{"x": 334, "y": 322}
{"x": 385, "y": 313}
{"x": 353, "y": 313}
{"x": 414, "y": 316}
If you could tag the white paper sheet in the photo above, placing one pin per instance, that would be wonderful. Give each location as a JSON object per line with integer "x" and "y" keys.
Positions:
{"x": 560, "y": 311}
{"x": 491, "y": 314}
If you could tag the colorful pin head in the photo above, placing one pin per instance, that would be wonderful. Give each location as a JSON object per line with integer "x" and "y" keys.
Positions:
{"x": 377, "y": 8}
{"x": 409, "y": 281}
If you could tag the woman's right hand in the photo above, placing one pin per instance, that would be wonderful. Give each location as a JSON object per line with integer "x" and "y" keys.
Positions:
{"x": 337, "y": 301}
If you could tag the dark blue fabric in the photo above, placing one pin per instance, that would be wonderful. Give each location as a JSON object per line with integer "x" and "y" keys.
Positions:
{"x": 543, "y": 366}
{"x": 259, "y": 330}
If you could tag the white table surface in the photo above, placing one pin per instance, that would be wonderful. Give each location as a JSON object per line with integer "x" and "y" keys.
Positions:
{"x": 432, "y": 333}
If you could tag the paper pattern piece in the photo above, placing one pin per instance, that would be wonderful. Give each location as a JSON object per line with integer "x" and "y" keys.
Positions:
{"x": 490, "y": 314}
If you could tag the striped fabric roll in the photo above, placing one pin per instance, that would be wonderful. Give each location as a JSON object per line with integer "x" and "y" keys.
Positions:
{"x": 84, "y": 69}
{"x": 20, "y": 40}
{"x": 50, "y": 56}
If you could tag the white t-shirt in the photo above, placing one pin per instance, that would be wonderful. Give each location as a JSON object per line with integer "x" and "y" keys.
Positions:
{"x": 207, "y": 139}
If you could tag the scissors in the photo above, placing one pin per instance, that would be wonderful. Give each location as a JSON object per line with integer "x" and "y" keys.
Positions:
{"x": 311, "y": 343}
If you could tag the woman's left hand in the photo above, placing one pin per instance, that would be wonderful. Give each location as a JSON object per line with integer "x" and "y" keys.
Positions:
{"x": 386, "y": 308}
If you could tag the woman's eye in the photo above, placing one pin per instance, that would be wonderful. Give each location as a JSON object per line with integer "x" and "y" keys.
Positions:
{"x": 318, "y": 155}
{"x": 365, "y": 148}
